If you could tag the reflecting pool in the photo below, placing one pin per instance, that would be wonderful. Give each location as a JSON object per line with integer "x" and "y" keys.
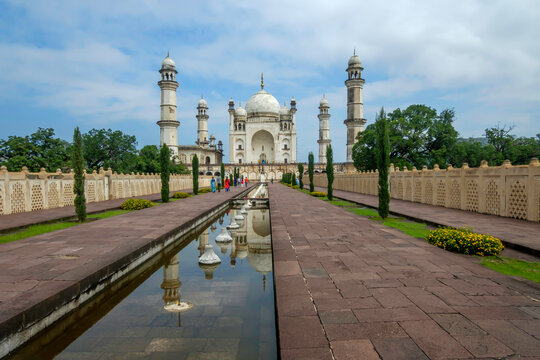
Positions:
{"x": 189, "y": 311}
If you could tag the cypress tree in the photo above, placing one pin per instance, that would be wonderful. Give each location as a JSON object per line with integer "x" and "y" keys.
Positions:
{"x": 165, "y": 164}
{"x": 195, "y": 170}
{"x": 301, "y": 175}
{"x": 222, "y": 175}
{"x": 78, "y": 176}
{"x": 383, "y": 162}
{"x": 311, "y": 170}
{"x": 293, "y": 179}
{"x": 330, "y": 171}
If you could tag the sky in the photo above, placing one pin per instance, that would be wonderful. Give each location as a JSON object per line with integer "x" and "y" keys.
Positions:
{"x": 95, "y": 64}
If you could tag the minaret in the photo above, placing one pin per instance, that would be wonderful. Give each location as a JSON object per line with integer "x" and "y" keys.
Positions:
{"x": 355, "y": 103}
{"x": 292, "y": 111}
{"x": 231, "y": 131}
{"x": 324, "y": 129}
{"x": 202, "y": 123}
{"x": 168, "y": 123}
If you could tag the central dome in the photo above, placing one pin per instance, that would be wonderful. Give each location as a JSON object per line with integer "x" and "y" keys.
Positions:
{"x": 262, "y": 102}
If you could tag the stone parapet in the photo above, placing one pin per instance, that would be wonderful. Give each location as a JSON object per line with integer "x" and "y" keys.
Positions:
{"x": 506, "y": 190}
{"x": 26, "y": 191}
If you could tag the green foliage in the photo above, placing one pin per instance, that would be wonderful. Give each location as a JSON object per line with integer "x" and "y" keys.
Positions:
{"x": 293, "y": 179}
{"x": 330, "y": 171}
{"x": 341, "y": 203}
{"x": 165, "y": 163}
{"x": 411, "y": 228}
{"x": 383, "y": 162}
{"x": 222, "y": 172}
{"x": 296, "y": 187}
{"x": 78, "y": 175}
{"x": 34, "y": 230}
{"x": 319, "y": 194}
{"x": 107, "y": 214}
{"x": 180, "y": 195}
{"x": 108, "y": 148}
{"x": 204, "y": 190}
{"x": 513, "y": 267}
{"x": 40, "y": 149}
{"x": 136, "y": 204}
{"x": 364, "y": 212}
{"x": 301, "y": 174}
{"x": 195, "y": 172}
{"x": 464, "y": 241}
{"x": 311, "y": 170}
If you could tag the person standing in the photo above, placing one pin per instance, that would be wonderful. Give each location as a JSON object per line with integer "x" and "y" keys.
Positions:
{"x": 246, "y": 182}
{"x": 227, "y": 184}
{"x": 213, "y": 184}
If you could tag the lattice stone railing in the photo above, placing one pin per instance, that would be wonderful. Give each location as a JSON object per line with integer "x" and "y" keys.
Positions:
{"x": 506, "y": 190}
{"x": 25, "y": 191}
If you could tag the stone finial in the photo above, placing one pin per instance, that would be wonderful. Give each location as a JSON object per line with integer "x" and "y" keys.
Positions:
{"x": 397, "y": 168}
{"x": 42, "y": 169}
{"x": 484, "y": 164}
{"x": 58, "y": 171}
{"x": 436, "y": 167}
{"x": 450, "y": 167}
{"x": 465, "y": 165}
{"x": 94, "y": 172}
{"x": 84, "y": 171}
{"x": 405, "y": 168}
{"x": 24, "y": 169}
{"x": 101, "y": 170}
{"x": 414, "y": 168}
{"x": 506, "y": 164}
{"x": 534, "y": 162}
{"x": 391, "y": 166}
{"x": 424, "y": 168}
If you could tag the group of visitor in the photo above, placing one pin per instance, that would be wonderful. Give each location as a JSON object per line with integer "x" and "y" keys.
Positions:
{"x": 227, "y": 183}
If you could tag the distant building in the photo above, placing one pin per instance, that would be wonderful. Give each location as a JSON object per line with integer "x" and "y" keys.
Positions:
{"x": 206, "y": 149}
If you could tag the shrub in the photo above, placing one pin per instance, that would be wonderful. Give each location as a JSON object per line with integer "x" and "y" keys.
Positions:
{"x": 295, "y": 187}
{"x": 136, "y": 204}
{"x": 78, "y": 175}
{"x": 165, "y": 168}
{"x": 195, "y": 172}
{"x": 464, "y": 241}
{"x": 180, "y": 195}
{"x": 330, "y": 171}
{"x": 311, "y": 169}
{"x": 383, "y": 162}
{"x": 317, "y": 194}
{"x": 204, "y": 191}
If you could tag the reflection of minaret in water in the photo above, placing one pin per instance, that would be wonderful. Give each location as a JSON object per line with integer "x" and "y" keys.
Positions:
{"x": 203, "y": 241}
{"x": 171, "y": 284}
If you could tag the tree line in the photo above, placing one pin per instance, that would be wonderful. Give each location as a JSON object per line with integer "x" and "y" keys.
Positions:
{"x": 420, "y": 136}
{"x": 101, "y": 148}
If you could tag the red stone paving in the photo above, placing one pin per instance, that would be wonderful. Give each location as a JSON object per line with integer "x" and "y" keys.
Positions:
{"x": 377, "y": 293}
{"x": 521, "y": 234}
{"x": 40, "y": 273}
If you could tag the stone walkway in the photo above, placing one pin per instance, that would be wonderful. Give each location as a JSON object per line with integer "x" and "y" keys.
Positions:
{"x": 518, "y": 234}
{"x": 352, "y": 288}
{"x": 13, "y": 221}
{"x": 39, "y": 274}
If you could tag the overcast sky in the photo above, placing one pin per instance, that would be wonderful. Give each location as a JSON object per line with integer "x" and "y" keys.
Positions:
{"x": 94, "y": 64}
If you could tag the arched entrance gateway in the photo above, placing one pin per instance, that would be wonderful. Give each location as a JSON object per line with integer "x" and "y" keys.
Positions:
{"x": 262, "y": 144}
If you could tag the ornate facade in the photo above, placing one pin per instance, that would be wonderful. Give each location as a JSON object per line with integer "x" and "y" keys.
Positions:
{"x": 263, "y": 132}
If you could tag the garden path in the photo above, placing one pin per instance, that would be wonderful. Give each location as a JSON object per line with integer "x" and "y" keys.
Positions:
{"x": 352, "y": 288}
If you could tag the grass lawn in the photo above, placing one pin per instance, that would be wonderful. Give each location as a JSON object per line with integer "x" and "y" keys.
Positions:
{"x": 508, "y": 266}
{"x": 46, "y": 228}
{"x": 341, "y": 203}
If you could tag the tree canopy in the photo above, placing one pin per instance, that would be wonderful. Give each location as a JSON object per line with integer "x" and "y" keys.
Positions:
{"x": 420, "y": 136}
{"x": 102, "y": 148}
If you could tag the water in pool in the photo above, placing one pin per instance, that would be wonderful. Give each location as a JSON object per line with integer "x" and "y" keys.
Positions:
{"x": 188, "y": 311}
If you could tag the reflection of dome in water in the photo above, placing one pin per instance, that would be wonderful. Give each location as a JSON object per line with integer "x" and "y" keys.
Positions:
{"x": 261, "y": 262}
{"x": 209, "y": 270}
{"x": 261, "y": 225}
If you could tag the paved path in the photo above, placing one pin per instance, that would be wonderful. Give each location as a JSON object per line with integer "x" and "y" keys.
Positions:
{"x": 13, "y": 221}
{"x": 519, "y": 234}
{"x": 351, "y": 287}
{"x": 40, "y": 273}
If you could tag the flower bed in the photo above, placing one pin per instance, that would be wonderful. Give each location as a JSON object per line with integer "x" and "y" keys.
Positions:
{"x": 465, "y": 241}
{"x": 318, "y": 194}
{"x": 180, "y": 195}
{"x": 136, "y": 204}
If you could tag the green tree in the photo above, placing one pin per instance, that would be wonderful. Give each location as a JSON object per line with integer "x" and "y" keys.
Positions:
{"x": 165, "y": 163}
{"x": 78, "y": 175}
{"x": 311, "y": 170}
{"x": 148, "y": 160}
{"x": 383, "y": 163}
{"x": 108, "y": 148}
{"x": 195, "y": 171}
{"x": 222, "y": 174}
{"x": 330, "y": 171}
{"x": 301, "y": 174}
{"x": 40, "y": 149}
{"x": 293, "y": 179}
{"x": 501, "y": 139}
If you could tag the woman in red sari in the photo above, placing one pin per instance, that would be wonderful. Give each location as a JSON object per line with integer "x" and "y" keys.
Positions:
{"x": 227, "y": 184}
